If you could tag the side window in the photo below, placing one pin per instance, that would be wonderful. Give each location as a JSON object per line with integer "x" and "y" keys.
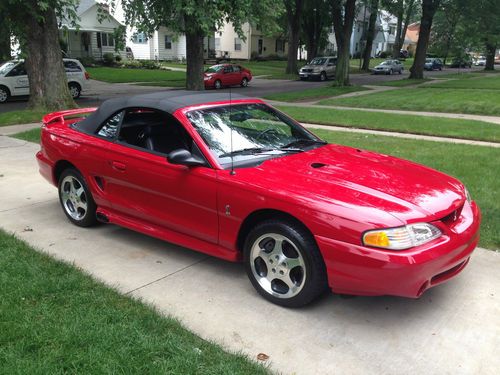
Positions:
{"x": 228, "y": 69}
{"x": 236, "y": 68}
{"x": 19, "y": 70}
{"x": 153, "y": 130}
{"x": 110, "y": 127}
{"x": 71, "y": 67}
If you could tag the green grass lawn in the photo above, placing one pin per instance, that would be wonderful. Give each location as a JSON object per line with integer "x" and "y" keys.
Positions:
{"x": 20, "y": 117}
{"x": 32, "y": 135}
{"x": 482, "y": 102}
{"x": 476, "y": 82}
{"x": 475, "y": 166}
{"x": 438, "y": 126}
{"x": 313, "y": 93}
{"x": 54, "y": 319}
{"x": 404, "y": 82}
{"x": 121, "y": 75}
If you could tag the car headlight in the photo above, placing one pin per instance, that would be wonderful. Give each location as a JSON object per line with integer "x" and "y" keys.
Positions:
{"x": 401, "y": 238}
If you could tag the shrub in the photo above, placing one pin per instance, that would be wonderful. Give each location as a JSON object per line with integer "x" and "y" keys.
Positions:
{"x": 149, "y": 64}
{"x": 118, "y": 58}
{"x": 87, "y": 61}
{"x": 108, "y": 59}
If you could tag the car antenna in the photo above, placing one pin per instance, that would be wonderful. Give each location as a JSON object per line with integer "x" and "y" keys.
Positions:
{"x": 232, "y": 173}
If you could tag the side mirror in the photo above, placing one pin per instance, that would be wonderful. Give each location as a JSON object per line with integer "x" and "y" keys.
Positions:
{"x": 184, "y": 157}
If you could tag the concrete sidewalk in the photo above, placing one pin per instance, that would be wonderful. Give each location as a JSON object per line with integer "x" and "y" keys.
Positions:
{"x": 452, "y": 329}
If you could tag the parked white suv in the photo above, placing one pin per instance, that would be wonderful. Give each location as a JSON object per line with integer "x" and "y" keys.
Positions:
{"x": 14, "y": 80}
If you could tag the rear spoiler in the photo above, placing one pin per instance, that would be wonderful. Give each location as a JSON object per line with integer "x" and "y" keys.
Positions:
{"x": 61, "y": 116}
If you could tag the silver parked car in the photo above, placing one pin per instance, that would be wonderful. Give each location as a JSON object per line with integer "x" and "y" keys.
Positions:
{"x": 388, "y": 67}
{"x": 320, "y": 68}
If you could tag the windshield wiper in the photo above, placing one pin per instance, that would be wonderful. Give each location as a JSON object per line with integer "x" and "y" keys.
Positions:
{"x": 246, "y": 151}
{"x": 299, "y": 142}
{"x": 259, "y": 150}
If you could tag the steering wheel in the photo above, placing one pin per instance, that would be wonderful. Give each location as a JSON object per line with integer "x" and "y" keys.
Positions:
{"x": 267, "y": 131}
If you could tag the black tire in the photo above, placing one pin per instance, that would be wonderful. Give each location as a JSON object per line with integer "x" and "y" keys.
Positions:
{"x": 75, "y": 90}
{"x": 300, "y": 247}
{"x": 401, "y": 71}
{"x": 70, "y": 199}
{"x": 244, "y": 82}
{"x": 391, "y": 72}
{"x": 4, "y": 94}
{"x": 218, "y": 84}
{"x": 323, "y": 76}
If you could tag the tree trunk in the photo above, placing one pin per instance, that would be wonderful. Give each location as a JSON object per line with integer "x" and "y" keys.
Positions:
{"x": 396, "y": 48}
{"x": 343, "y": 20}
{"x": 47, "y": 77}
{"x": 293, "y": 13}
{"x": 5, "y": 52}
{"x": 194, "y": 57}
{"x": 490, "y": 56}
{"x": 429, "y": 8}
{"x": 370, "y": 35}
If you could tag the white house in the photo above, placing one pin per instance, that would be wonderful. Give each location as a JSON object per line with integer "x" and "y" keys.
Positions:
{"x": 389, "y": 27}
{"x": 254, "y": 43}
{"x": 93, "y": 37}
{"x": 358, "y": 36}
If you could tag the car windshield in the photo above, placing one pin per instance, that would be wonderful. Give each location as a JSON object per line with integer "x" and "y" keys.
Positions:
{"x": 248, "y": 131}
{"x": 387, "y": 62}
{"x": 428, "y": 60}
{"x": 5, "y": 68}
{"x": 318, "y": 61}
{"x": 214, "y": 69}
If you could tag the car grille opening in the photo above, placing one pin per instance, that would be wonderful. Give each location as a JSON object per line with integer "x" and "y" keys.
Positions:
{"x": 452, "y": 216}
{"x": 448, "y": 273}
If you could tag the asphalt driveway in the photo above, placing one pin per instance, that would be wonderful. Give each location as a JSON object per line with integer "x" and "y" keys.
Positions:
{"x": 453, "y": 329}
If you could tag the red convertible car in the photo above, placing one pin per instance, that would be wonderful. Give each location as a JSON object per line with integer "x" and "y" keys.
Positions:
{"x": 241, "y": 181}
{"x": 218, "y": 76}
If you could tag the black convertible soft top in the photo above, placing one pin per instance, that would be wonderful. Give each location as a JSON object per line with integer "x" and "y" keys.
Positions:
{"x": 167, "y": 101}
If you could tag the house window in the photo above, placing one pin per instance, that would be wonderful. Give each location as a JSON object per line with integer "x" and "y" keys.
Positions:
{"x": 168, "y": 42}
{"x": 280, "y": 46}
{"x": 107, "y": 40}
{"x": 237, "y": 44}
{"x": 392, "y": 30}
{"x": 217, "y": 44}
{"x": 139, "y": 38}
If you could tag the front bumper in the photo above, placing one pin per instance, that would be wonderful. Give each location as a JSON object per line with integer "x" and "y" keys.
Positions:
{"x": 309, "y": 74}
{"x": 360, "y": 270}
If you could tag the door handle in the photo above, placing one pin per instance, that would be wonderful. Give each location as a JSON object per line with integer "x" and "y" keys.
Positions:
{"x": 118, "y": 166}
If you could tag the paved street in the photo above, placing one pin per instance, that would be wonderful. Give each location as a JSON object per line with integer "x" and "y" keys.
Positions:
{"x": 258, "y": 87}
{"x": 453, "y": 329}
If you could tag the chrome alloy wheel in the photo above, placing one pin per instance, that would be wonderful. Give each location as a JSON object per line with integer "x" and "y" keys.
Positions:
{"x": 3, "y": 95}
{"x": 73, "y": 198}
{"x": 277, "y": 265}
{"x": 74, "y": 91}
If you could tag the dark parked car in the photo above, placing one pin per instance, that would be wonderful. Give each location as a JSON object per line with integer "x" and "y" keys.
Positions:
{"x": 461, "y": 62}
{"x": 433, "y": 64}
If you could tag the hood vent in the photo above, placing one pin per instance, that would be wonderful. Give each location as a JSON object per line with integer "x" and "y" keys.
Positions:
{"x": 318, "y": 165}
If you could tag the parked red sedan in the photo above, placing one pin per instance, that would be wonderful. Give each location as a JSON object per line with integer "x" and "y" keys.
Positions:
{"x": 242, "y": 181}
{"x": 221, "y": 75}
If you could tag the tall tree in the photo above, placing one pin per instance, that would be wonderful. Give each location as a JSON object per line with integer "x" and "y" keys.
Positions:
{"x": 315, "y": 22}
{"x": 34, "y": 22}
{"x": 370, "y": 34}
{"x": 447, "y": 30}
{"x": 196, "y": 19}
{"x": 293, "y": 15}
{"x": 4, "y": 39}
{"x": 429, "y": 8}
{"x": 403, "y": 10}
{"x": 343, "y": 14}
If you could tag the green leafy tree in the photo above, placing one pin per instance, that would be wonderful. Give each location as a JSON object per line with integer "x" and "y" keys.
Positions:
{"x": 404, "y": 10}
{"x": 448, "y": 30}
{"x": 4, "y": 38}
{"x": 343, "y": 14}
{"x": 315, "y": 24}
{"x": 293, "y": 16}
{"x": 429, "y": 8}
{"x": 196, "y": 19}
{"x": 34, "y": 23}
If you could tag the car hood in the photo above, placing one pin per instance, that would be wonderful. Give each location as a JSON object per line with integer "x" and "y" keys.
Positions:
{"x": 351, "y": 177}
{"x": 311, "y": 66}
{"x": 382, "y": 66}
